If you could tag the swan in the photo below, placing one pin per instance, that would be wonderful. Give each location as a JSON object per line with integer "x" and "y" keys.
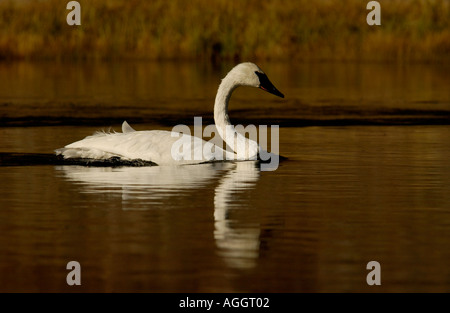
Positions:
{"x": 156, "y": 146}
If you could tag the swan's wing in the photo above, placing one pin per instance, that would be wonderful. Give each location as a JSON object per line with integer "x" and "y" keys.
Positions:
{"x": 126, "y": 128}
{"x": 158, "y": 146}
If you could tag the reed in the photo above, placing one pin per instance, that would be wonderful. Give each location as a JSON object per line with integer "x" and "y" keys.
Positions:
{"x": 225, "y": 29}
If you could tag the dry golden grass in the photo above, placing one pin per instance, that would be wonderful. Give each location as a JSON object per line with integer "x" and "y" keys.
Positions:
{"x": 270, "y": 29}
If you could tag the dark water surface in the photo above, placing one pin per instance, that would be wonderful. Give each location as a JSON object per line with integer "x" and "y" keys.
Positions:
{"x": 346, "y": 195}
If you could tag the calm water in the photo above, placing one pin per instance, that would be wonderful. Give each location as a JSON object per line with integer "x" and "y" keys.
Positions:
{"x": 347, "y": 195}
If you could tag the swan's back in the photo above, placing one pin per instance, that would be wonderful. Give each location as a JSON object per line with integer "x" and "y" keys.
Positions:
{"x": 158, "y": 146}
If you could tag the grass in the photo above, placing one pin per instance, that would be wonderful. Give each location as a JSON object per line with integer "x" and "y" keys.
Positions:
{"x": 225, "y": 29}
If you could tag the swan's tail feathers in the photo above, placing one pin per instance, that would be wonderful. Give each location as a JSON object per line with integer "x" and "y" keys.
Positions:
{"x": 126, "y": 128}
{"x": 59, "y": 151}
{"x": 77, "y": 153}
{"x": 68, "y": 153}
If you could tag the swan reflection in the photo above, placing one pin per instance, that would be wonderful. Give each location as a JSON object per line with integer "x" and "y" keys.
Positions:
{"x": 238, "y": 245}
{"x": 152, "y": 183}
{"x": 138, "y": 187}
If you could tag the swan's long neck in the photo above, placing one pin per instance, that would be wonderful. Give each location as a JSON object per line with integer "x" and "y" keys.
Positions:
{"x": 245, "y": 149}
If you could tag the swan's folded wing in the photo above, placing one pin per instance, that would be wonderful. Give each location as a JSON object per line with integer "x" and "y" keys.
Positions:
{"x": 158, "y": 146}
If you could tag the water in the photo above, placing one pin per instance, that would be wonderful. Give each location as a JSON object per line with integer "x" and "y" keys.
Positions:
{"x": 346, "y": 195}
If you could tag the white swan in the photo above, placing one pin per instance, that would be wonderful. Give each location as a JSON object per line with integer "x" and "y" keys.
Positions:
{"x": 156, "y": 145}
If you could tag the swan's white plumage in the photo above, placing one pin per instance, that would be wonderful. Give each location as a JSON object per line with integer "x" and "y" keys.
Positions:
{"x": 126, "y": 128}
{"x": 153, "y": 145}
{"x": 157, "y": 145}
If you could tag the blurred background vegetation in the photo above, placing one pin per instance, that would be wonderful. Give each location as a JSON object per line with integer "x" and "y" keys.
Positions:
{"x": 225, "y": 29}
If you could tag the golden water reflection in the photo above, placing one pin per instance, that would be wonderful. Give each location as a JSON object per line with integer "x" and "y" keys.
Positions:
{"x": 139, "y": 187}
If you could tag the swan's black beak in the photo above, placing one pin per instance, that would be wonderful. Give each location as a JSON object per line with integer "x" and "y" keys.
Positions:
{"x": 265, "y": 84}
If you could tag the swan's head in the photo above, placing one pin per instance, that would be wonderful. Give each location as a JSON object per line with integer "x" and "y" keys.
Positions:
{"x": 249, "y": 74}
